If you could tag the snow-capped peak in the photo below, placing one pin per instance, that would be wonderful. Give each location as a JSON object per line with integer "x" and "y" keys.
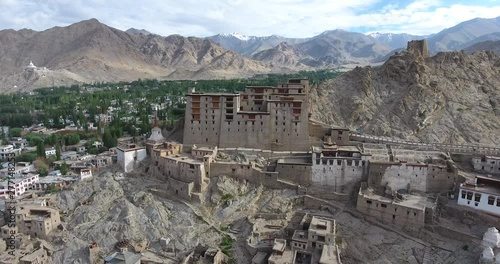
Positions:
{"x": 236, "y": 35}
{"x": 379, "y": 35}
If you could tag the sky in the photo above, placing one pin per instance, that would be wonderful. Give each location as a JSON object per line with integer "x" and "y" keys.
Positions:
{"x": 289, "y": 18}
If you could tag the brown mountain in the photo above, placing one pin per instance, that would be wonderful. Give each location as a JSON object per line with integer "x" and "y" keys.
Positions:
{"x": 452, "y": 97}
{"x": 490, "y": 45}
{"x": 283, "y": 55}
{"x": 90, "y": 51}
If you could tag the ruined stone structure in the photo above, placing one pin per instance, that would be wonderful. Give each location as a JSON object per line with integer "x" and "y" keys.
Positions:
{"x": 419, "y": 48}
{"x": 263, "y": 117}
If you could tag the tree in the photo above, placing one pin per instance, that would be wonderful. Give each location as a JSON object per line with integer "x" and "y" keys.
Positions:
{"x": 64, "y": 168}
{"x": 58, "y": 152}
{"x": 16, "y": 132}
{"x": 40, "y": 149}
{"x": 41, "y": 166}
{"x": 72, "y": 139}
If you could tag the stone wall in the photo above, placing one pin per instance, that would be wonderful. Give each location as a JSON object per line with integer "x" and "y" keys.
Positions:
{"x": 180, "y": 188}
{"x": 296, "y": 173}
{"x": 338, "y": 172}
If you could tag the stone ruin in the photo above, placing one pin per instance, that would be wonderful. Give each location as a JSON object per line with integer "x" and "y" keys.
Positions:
{"x": 419, "y": 48}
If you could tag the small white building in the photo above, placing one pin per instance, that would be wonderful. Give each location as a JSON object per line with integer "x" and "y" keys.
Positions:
{"x": 17, "y": 185}
{"x": 489, "y": 164}
{"x": 7, "y": 151}
{"x": 50, "y": 152}
{"x": 483, "y": 194}
{"x": 129, "y": 155}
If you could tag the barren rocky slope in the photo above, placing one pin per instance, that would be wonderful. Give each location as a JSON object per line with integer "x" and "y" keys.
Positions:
{"x": 90, "y": 51}
{"x": 452, "y": 97}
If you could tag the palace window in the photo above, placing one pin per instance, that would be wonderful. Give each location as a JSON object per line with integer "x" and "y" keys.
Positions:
{"x": 491, "y": 200}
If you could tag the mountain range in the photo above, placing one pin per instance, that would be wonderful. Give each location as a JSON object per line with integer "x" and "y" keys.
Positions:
{"x": 90, "y": 51}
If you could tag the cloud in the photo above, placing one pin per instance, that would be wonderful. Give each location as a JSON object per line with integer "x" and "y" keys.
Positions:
{"x": 293, "y": 18}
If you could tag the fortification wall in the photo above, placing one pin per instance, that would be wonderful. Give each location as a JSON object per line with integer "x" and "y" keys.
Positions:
{"x": 236, "y": 170}
{"x": 338, "y": 173}
{"x": 296, "y": 173}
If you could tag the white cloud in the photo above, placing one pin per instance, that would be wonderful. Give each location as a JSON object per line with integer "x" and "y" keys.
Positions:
{"x": 294, "y": 18}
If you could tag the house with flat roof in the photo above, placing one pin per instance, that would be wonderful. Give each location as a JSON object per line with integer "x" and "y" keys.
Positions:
{"x": 483, "y": 194}
{"x": 37, "y": 221}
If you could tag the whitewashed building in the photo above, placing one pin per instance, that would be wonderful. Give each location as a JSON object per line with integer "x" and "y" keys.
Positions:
{"x": 50, "y": 152}
{"x": 18, "y": 185}
{"x": 483, "y": 194}
{"x": 7, "y": 151}
{"x": 129, "y": 155}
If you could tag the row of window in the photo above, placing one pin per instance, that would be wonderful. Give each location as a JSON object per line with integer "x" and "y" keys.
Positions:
{"x": 477, "y": 198}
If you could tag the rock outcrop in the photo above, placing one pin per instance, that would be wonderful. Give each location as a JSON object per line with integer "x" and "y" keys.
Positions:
{"x": 452, "y": 97}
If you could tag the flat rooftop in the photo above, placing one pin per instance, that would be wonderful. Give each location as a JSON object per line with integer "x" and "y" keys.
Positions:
{"x": 322, "y": 225}
{"x": 409, "y": 200}
{"x": 183, "y": 158}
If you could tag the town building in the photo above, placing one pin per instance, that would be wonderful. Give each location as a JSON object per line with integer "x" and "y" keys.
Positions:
{"x": 19, "y": 169}
{"x": 61, "y": 182}
{"x": 37, "y": 221}
{"x": 18, "y": 142}
{"x": 262, "y": 117}
{"x": 50, "y": 152}
{"x": 129, "y": 156}
{"x": 488, "y": 164}
{"x": 396, "y": 207}
{"x": 313, "y": 242}
{"x": 483, "y": 194}
{"x": 7, "y": 151}
{"x": 17, "y": 185}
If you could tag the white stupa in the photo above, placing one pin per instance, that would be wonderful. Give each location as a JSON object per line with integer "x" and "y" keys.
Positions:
{"x": 487, "y": 255}
{"x": 491, "y": 238}
{"x": 31, "y": 66}
{"x": 156, "y": 135}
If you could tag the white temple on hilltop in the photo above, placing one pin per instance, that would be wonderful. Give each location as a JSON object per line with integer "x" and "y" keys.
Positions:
{"x": 31, "y": 66}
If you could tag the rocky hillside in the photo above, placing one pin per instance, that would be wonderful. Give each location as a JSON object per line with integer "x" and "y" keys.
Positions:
{"x": 91, "y": 51}
{"x": 452, "y": 97}
{"x": 485, "y": 45}
{"x": 283, "y": 54}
